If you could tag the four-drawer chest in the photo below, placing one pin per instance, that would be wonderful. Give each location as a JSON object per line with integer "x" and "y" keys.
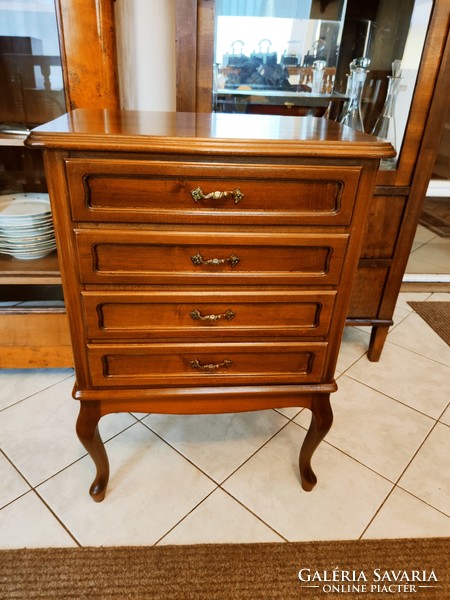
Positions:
{"x": 207, "y": 261}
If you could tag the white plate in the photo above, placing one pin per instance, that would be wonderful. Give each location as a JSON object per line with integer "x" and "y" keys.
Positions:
{"x": 24, "y": 225}
{"x": 30, "y": 255}
{"x": 25, "y": 222}
{"x": 26, "y": 232}
{"x": 27, "y": 239}
{"x": 20, "y": 206}
{"x": 34, "y": 246}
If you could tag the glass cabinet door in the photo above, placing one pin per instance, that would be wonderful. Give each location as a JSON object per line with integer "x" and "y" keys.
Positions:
{"x": 391, "y": 36}
{"x": 300, "y": 57}
{"x": 32, "y": 88}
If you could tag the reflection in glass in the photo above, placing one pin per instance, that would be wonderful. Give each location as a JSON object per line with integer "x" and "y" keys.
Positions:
{"x": 385, "y": 127}
{"x": 267, "y": 54}
{"x": 31, "y": 88}
{"x": 352, "y": 114}
{"x": 30, "y": 64}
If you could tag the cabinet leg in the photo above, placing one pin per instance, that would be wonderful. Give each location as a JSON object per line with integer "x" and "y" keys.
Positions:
{"x": 377, "y": 338}
{"x": 88, "y": 434}
{"x": 321, "y": 421}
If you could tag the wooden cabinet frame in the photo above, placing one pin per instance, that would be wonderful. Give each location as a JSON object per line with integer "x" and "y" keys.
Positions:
{"x": 88, "y": 53}
{"x": 383, "y": 264}
{"x": 36, "y": 337}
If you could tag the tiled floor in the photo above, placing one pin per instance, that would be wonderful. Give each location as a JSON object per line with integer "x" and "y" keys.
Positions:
{"x": 383, "y": 469}
{"x": 429, "y": 253}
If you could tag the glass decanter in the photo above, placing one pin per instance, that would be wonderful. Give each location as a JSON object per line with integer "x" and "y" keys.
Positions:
{"x": 385, "y": 125}
{"x": 358, "y": 73}
{"x": 318, "y": 72}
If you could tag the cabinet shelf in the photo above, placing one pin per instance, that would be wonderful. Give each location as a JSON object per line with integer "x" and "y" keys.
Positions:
{"x": 40, "y": 271}
{"x": 12, "y": 139}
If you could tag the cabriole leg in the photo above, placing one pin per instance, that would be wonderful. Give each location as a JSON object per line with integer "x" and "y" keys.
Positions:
{"x": 88, "y": 434}
{"x": 321, "y": 421}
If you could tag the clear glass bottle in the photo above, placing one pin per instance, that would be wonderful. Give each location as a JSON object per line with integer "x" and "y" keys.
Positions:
{"x": 385, "y": 125}
{"x": 358, "y": 73}
{"x": 318, "y": 72}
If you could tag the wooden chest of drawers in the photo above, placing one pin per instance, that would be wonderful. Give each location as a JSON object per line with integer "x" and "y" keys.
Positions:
{"x": 207, "y": 261}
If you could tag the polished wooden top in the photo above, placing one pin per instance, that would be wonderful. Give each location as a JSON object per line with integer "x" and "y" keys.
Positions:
{"x": 205, "y": 133}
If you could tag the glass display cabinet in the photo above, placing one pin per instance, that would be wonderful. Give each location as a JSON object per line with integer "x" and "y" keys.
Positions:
{"x": 41, "y": 58}
{"x": 404, "y": 50}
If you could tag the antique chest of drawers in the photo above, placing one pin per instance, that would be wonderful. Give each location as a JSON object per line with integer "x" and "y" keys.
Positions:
{"x": 207, "y": 261}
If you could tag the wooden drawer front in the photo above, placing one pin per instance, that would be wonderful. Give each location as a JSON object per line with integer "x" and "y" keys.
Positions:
{"x": 174, "y": 257}
{"x": 202, "y": 315}
{"x": 205, "y": 364}
{"x": 158, "y": 192}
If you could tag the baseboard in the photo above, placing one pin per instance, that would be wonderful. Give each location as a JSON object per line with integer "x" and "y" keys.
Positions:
{"x": 439, "y": 188}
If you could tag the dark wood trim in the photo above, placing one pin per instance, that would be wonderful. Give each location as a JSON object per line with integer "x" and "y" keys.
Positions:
{"x": 195, "y": 51}
{"x": 205, "y": 55}
{"x": 369, "y": 322}
{"x": 389, "y": 190}
{"x": 88, "y": 53}
{"x": 186, "y": 53}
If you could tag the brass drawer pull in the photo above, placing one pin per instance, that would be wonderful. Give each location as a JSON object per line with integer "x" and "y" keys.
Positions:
{"x": 195, "y": 364}
{"x": 198, "y": 194}
{"x": 199, "y": 260}
{"x": 197, "y": 316}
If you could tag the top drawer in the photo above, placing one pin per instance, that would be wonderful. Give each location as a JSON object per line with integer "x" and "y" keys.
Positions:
{"x": 163, "y": 192}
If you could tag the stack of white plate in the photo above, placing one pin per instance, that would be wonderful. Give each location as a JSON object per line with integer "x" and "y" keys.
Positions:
{"x": 26, "y": 227}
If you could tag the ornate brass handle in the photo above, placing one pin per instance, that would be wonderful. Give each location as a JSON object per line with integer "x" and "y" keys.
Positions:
{"x": 198, "y": 194}
{"x": 197, "y": 316}
{"x": 195, "y": 364}
{"x": 199, "y": 260}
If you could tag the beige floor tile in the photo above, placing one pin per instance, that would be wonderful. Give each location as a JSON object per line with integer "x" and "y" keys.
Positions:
{"x": 339, "y": 507}
{"x": 380, "y": 432}
{"x": 151, "y": 489}
{"x": 439, "y": 297}
{"x": 355, "y": 343}
{"x": 405, "y": 297}
{"x": 416, "y": 266}
{"x": 418, "y": 382}
{"x": 17, "y": 384}
{"x": 398, "y": 317}
{"x": 38, "y": 434}
{"x": 423, "y": 235}
{"x": 27, "y": 523}
{"x": 219, "y": 519}
{"x": 405, "y": 516}
{"x": 217, "y": 444}
{"x": 414, "y": 334}
{"x": 428, "y": 474}
{"x": 403, "y": 309}
{"x": 436, "y": 252}
{"x": 290, "y": 412}
{"x": 12, "y": 484}
{"x": 446, "y": 416}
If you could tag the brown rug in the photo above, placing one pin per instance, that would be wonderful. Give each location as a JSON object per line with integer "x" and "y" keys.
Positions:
{"x": 436, "y": 315}
{"x": 435, "y": 216}
{"x": 367, "y": 569}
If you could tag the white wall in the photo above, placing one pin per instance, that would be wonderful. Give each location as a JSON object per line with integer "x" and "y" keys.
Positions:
{"x": 146, "y": 54}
